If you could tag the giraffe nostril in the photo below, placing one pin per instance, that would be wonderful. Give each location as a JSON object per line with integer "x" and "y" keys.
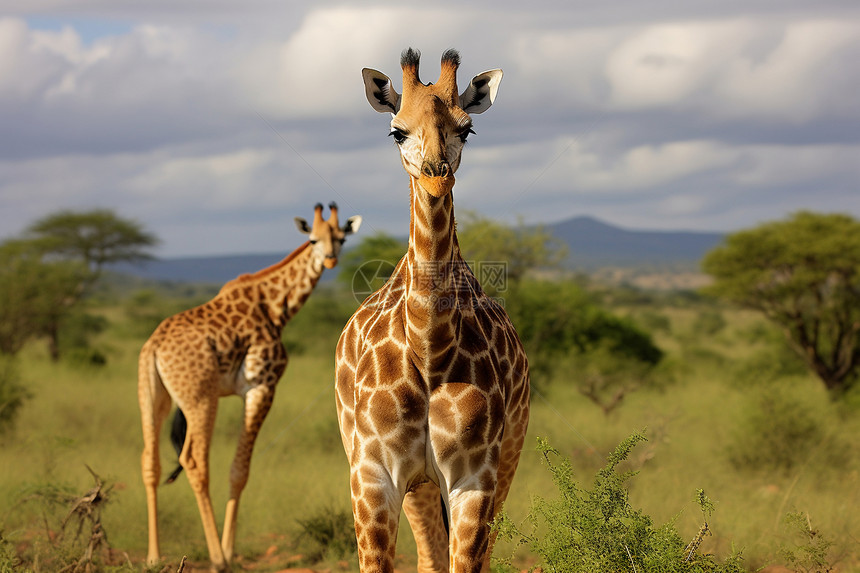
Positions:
{"x": 427, "y": 170}
{"x": 444, "y": 170}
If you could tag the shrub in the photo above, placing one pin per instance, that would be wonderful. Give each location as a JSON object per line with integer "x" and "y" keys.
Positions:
{"x": 559, "y": 320}
{"x": 809, "y": 554}
{"x": 329, "y": 533}
{"x": 74, "y": 338}
{"x": 709, "y": 322}
{"x": 767, "y": 366}
{"x": 583, "y": 530}
{"x": 778, "y": 432}
{"x": 9, "y": 561}
{"x": 60, "y": 531}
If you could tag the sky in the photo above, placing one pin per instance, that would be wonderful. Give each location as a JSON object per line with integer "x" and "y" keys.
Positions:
{"x": 215, "y": 123}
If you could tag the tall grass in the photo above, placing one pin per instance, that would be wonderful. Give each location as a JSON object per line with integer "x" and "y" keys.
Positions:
{"x": 81, "y": 415}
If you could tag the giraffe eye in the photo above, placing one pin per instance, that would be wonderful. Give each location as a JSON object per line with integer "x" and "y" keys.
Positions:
{"x": 464, "y": 135}
{"x": 313, "y": 241}
{"x": 398, "y": 134}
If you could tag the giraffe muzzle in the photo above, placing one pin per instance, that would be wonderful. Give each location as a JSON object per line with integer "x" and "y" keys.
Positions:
{"x": 436, "y": 186}
{"x": 329, "y": 262}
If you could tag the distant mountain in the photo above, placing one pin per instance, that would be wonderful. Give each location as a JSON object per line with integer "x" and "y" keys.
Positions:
{"x": 211, "y": 269}
{"x": 592, "y": 243}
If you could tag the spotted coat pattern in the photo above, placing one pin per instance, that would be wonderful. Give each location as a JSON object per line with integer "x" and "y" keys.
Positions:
{"x": 432, "y": 382}
{"x": 229, "y": 345}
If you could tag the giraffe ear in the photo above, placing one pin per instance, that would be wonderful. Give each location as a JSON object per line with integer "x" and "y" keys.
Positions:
{"x": 481, "y": 93}
{"x": 352, "y": 225}
{"x": 380, "y": 92}
{"x": 302, "y": 225}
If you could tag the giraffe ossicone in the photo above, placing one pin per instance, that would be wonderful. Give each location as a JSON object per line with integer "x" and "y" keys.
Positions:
{"x": 230, "y": 345}
{"x": 432, "y": 381}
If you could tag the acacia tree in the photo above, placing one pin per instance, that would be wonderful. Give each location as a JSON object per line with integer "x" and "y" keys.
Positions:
{"x": 33, "y": 292}
{"x": 54, "y": 265}
{"x": 95, "y": 238}
{"x": 803, "y": 274}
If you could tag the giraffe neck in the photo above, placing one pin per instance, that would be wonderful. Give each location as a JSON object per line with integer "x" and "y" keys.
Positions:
{"x": 433, "y": 268}
{"x": 285, "y": 286}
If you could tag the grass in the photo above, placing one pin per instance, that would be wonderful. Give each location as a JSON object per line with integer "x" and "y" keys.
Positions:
{"x": 78, "y": 416}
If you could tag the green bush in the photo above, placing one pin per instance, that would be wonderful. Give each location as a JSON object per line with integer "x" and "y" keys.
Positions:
{"x": 59, "y": 530}
{"x": 779, "y": 432}
{"x": 709, "y": 322}
{"x": 329, "y": 534}
{"x": 654, "y": 321}
{"x": 9, "y": 561}
{"x": 808, "y": 552}
{"x": 557, "y": 320}
{"x": 584, "y": 530}
{"x": 77, "y": 329}
{"x": 767, "y": 366}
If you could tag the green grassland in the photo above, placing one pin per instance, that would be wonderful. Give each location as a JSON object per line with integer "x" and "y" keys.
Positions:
{"x": 714, "y": 424}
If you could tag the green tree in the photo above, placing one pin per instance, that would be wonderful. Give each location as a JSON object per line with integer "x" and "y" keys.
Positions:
{"x": 520, "y": 248}
{"x": 34, "y": 292}
{"x": 48, "y": 271}
{"x": 365, "y": 268}
{"x": 96, "y": 238}
{"x": 802, "y": 273}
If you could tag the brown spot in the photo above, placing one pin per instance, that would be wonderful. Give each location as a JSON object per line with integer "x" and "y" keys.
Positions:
{"x": 472, "y": 341}
{"x": 413, "y": 406}
{"x": 461, "y": 369}
{"x": 389, "y": 359}
{"x": 363, "y": 512}
{"x": 383, "y": 410}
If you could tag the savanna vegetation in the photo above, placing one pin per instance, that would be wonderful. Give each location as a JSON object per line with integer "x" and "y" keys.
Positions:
{"x": 669, "y": 431}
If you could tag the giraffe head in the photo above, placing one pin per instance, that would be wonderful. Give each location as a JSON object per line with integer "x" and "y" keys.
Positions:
{"x": 431, "y": 122}
{"x": 327, "y": 237}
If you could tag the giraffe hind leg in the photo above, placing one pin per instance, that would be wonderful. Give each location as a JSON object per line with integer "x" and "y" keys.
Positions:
{"x": 154, "y": 404}
{"x": 428, "y": 519}
{"x": 195, "y": 460}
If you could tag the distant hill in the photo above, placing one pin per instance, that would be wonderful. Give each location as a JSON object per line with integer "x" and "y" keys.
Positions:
{"x": 211, "y": 269}
{"x": 593, "y": 244}
{"x": 596, "y": 244}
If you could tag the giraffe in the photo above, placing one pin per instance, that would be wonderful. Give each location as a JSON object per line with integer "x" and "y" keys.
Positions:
{"x": 229, "y": 345}
{"x": 432, "y": 383}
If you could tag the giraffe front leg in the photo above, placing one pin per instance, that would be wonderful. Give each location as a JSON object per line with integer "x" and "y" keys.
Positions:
{"x": 258, "y": 401}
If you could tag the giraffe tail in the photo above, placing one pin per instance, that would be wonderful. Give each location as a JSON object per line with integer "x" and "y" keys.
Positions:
{"x": 178, "y": 429}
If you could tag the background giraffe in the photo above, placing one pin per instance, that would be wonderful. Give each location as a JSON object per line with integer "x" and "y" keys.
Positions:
{"x": 432, "y": 380}
{"x": 229, "y": 345}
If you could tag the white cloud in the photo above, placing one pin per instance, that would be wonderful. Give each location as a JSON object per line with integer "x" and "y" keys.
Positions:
{"x": 667, "y": 64}
{"x": 673, "y": 117}
{"x": 800, "y": 77}
{"x": 756, "y": 68}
